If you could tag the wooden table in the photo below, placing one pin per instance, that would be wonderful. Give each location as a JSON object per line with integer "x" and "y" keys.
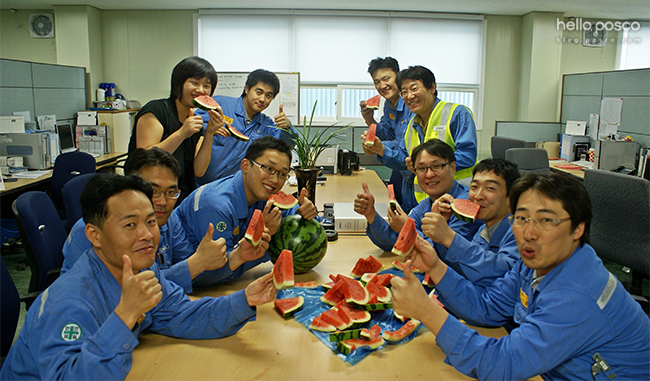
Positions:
{"x": 272, "y": 348}
{"x": 579, "y": 173}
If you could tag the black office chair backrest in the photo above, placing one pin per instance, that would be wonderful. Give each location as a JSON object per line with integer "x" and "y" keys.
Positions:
{"x": 529, "y": 159}
{"x": 71, "y": 195}
{"x": 67, "y": 166}
{"x": 499, "y": 145}
{"x": 9, "y": 310}
{"x": 41, "y": 226}
{"x": 620, "y": 228}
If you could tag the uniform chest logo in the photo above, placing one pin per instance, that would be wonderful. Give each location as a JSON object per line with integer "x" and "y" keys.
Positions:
{"x": 236, "y": 231}
{"x": 221, "y": 226}
{"x": 523, "y": 297}
{"x": 392, "y": 116}
{"x": 71, "y": 332}
{"x": 439, "y": 128}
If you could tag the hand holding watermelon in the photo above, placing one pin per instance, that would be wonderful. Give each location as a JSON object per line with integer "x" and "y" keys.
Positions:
{"x": 364, "y": 204}
{"x": 215, "y": 122}
{"x": 210, "y": 255}
{"x": 306, "y": 209}
{"x": 397, "y": 219}
{"x": 435, "y": 226}
{"x": 272, "y": 217}
{"x": 444, "y": 205}
{"x": 367, "y": 113}
{"x": 246, "y": 252}
{"x": 376, "y": 148}
{"x": 260, "y": 291}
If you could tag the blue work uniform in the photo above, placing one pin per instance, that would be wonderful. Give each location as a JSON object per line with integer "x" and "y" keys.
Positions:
{"x": 567, "y": 316}
{"x": 72, "y": 332}
{"x": 172, "y": 254}
{"x": 227, "y": 153}
{"x": 384, "y": 237}
{"x": 222, "y": 203}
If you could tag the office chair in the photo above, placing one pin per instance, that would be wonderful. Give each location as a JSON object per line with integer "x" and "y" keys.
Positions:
{"x": 499, "y": 145}
{"x": 71, "y": 195}
{"x": 621, "y": 221}
{"x": 40, "y": 225}
{"x": 67, "y": 166}
{"x": 529, "y": 159}
{"x": 9, "y": 310}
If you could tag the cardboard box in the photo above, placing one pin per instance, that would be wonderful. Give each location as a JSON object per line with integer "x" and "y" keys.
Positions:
{"x": 553, "y": 148}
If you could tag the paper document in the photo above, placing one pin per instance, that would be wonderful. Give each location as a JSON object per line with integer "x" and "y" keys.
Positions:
{"x": 574, "y": 127}
{"x": 610, "y": 110}
{"x": 593, "y": 126}
{"x": 30, "y": 174}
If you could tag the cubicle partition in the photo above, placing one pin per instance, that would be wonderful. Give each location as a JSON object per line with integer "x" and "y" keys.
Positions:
{"x": 530, "y": 132}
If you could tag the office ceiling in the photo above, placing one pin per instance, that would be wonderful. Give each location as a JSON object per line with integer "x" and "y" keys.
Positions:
{"x": 603, "y": 9}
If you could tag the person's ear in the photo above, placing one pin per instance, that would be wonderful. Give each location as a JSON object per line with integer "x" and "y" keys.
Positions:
{"x": 453, "y": 166}
{"x": 93, "y": 233}
{"x": 579, "y": 231}
{"x": 245, "y": 90}
{"x": 245, "y": 165}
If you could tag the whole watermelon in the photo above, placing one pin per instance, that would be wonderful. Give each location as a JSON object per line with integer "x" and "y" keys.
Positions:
{"x": 305, "y": 238}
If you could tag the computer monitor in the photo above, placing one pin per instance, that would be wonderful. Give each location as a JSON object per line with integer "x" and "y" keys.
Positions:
{"x": 66, "y": 137}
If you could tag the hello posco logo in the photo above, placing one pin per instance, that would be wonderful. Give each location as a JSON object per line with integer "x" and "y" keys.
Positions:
{"x": 579, "y": 24}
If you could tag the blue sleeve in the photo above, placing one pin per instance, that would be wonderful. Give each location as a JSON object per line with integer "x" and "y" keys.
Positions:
{"x": 478, "y": 263}
{"x": 465, "y": 229}
{"x": 563, "y": 324}
{"x": 381, "y": 234}
{"x": 385, "y": 128}
{"x": 463, "y": 130}
{"x": 206, "y": 318}
{"x": 394, "y": 155}
{"x": 181, "y": 250}
{"x": 75, "y": 245}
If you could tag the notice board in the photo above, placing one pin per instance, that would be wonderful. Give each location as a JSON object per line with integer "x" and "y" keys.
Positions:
{"x": 232, "y": 84}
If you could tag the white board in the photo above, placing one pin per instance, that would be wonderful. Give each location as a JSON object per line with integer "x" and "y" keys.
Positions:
{"x": 232, "y": 84}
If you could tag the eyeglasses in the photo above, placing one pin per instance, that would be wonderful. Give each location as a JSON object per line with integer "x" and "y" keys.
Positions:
{"x": 405, "y": 92}
{"x": 543, "y": 223}
{"x": 434, "y": 168}
{"x": 170, "y": 194}
{"x": 271, "y": 171}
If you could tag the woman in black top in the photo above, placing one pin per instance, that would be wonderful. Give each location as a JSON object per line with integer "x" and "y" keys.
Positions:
{"x": 168, "y": 124}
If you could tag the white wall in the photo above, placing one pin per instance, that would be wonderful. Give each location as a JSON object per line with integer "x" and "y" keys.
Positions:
{"x": 16, "y": 42}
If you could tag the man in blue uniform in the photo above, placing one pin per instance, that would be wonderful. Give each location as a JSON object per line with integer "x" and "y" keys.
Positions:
{"x": 176, "y": 257}
{"x": 261, "y": 88}
{"x": 229, "y": 204}
{"x": 86, "y": 324}
{"x": 577, "y": 322}
{"x": 390, "y": 129}
{"x": 435, "y": 167}
{"x": 493, "y": 250}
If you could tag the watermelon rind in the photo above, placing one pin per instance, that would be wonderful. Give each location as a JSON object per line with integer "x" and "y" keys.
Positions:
{"x": 383, "y": 293}
{"x": 367, "y": 278}
{"x": 205, "y": 102}
{"x": 406, "y": 239}
{"x": 283, "y": 200}
{"x": 372, "y": 333}
{"x": 461, "y": 215}
{"x": 255, "y": 228}
{"x": 236, "y": 134}
{"x": 281, "y": 305}
{"x": 401, "y": 333}
{"x": 427, "y": 281}
{"x": 345, "y": 335}
{"x": 318, "y": 324}
{"x": 355, "y": 292}
{"x": 399, "y": 317}
{"x": 374, "y": 306}
{"x": 283, "y": 276}
{"x": 305, "y": 238}
{"x": 331, "y": 316}
{"x": 370, "y": 136}
{"x": 311, "y": 284}
{"x": 373, "y": 103}
{"x": 347, "y": 346}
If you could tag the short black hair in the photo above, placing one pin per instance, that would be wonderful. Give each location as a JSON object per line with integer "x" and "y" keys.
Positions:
{"x": 383, "y": 63}
{"x": 100, "y": 188}
{"x": 501, "y": 167}
{"x": 153, "y": 157}
{"x": 264, "y": 76}
{"x": 558, "y": 186}
{"x": 258, "y": 146}
{"x": 434, "y": 147}
{"x": 192, "y": 67}
{"x": 417, "y": 73}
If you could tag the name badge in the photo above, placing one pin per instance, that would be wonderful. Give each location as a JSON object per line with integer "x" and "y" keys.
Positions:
{"x": 439, "y": 128}
{"x": 391, "y": 116}
{"x": 523, "y": 297}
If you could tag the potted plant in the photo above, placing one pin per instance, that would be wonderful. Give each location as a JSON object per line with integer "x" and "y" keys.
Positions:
{"x": 308, "y": 146}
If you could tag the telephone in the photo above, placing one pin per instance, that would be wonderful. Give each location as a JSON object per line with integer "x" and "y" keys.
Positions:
{"x": 624, "y": 170}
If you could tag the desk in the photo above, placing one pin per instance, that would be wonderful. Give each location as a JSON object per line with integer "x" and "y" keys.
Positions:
{"x": 579, "y": 173}
{"x": 272, "y": 348}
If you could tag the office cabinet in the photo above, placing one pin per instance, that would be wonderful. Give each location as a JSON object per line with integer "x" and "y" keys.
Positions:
{"x": 121, "y": 123}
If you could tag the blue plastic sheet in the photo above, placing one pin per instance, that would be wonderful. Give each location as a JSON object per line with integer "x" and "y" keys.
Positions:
{"x": 313, "y": 307}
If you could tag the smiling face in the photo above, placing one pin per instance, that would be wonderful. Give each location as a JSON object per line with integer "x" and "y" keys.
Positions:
{"x": 435, "y": 184}
{"x": 194, "y": 87}
{"x": 541, "y": 249}
{"x": 161, "y": 179}
{"x": 384, "y": 81}
{"x": 258, "y": 184}
{"x": 489, "y": 190}
{"x": 418, "y": 98}
{"x": 130, "y": 228}
{"x": 258, "y": 98}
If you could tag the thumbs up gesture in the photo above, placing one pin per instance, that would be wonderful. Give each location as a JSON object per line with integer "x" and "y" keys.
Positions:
{"x": 140, "y": 293}
{"x": 434, "y": 226}
{"x": 210, "y": 255}
{"x": 306, "y": 209}
{"x": 281, "y": 119}
{"x": 364, "y": 204}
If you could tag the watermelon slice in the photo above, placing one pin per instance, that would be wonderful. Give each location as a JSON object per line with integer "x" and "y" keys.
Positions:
{"x": 283, "y": 200}
{"x": 399, "y": 317}
{"x": 433, "y": 296}
{"x": 236, "y": 134}
{"x": 383, "y": 294}
{"x": 400, "y": 334}
{"x": 383, "y": 279}
{"x": 332, "y": 317}
{"x": 346, "y": 319}
{"x": 400, "y": 266}
{"x": 346, "y": 347}
{"x": 427, "y": 281}
{"x": 327, "y": 286}
{"x": 464, "y": 209}
{"x": 356, "y": 316}
{"x": 391, "y": 198}
{"x": 311, "y": 284}
{"x": 406, "y": 239}
{"x": 283, "y": 271}
{"x": 354, "y": 292}
{"x": 371, "y": 333}
{"x": 373, "y": 102}
{"x": 376, "y": 306}
{"x": 334, "y": 294}
{"x": 345, "y": 335}
{"x": 288, "y": 306}
{"x": 370, "y": 135}
{"x": 205, "y": 102}
{"x": 318, "y": 324}
{"x": 366, "y": 265}
{"x": 255, "y": 228}
{"x": 367, "y": 278}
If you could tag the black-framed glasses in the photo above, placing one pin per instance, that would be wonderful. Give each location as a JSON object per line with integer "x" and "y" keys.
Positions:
{"x": 170, "y": 194}
{"x": 271, "y": 171}
{"x": 434, "y": 168}
{"x": 542, "y": 223}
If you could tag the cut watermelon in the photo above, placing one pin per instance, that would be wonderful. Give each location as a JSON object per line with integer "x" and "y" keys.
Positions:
{"x": 347, "y": 346}
{"x": 288, "y": 306}
{"x": 427, "y": 281}
{"x": 205, "y": 102}
{"x": 401, "y": 333}
{"x": 399, "y": 317}
{"x": 345, "y": 335}
{"x": 391, "y": 198}
{"x": 383, "y": 279}
{"x": 465, "y": 210}
{"x": 332, "y": 317}
{"x": 367, "y": 278}
{"x": 311, "y": 284}
{"x": 283, "y": 271}
{"x": 383, "y": 294}
{"x": 400, "y": 266}
{"x": 346, "y": 319}
{"x": 373, "y": 102}
{"x": 372, "y": 333}
{"x": 326, "y": 286}
{"x": 354, "y": 292}
{"x": 283, "y": 200}
{"x": 370, "y": 135}
{"x": 406, "y": 239}
{"x": 255, "y": 228}
{"x": 375, "y": 306}
{"x": 318, "y": 324}
{"x": 334, "y": 294}
{"x": 366, "y": 265}
{"x": 236, "y": 134}
{"x": 433, "y": 296}
{"x": 357, "y": 316}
